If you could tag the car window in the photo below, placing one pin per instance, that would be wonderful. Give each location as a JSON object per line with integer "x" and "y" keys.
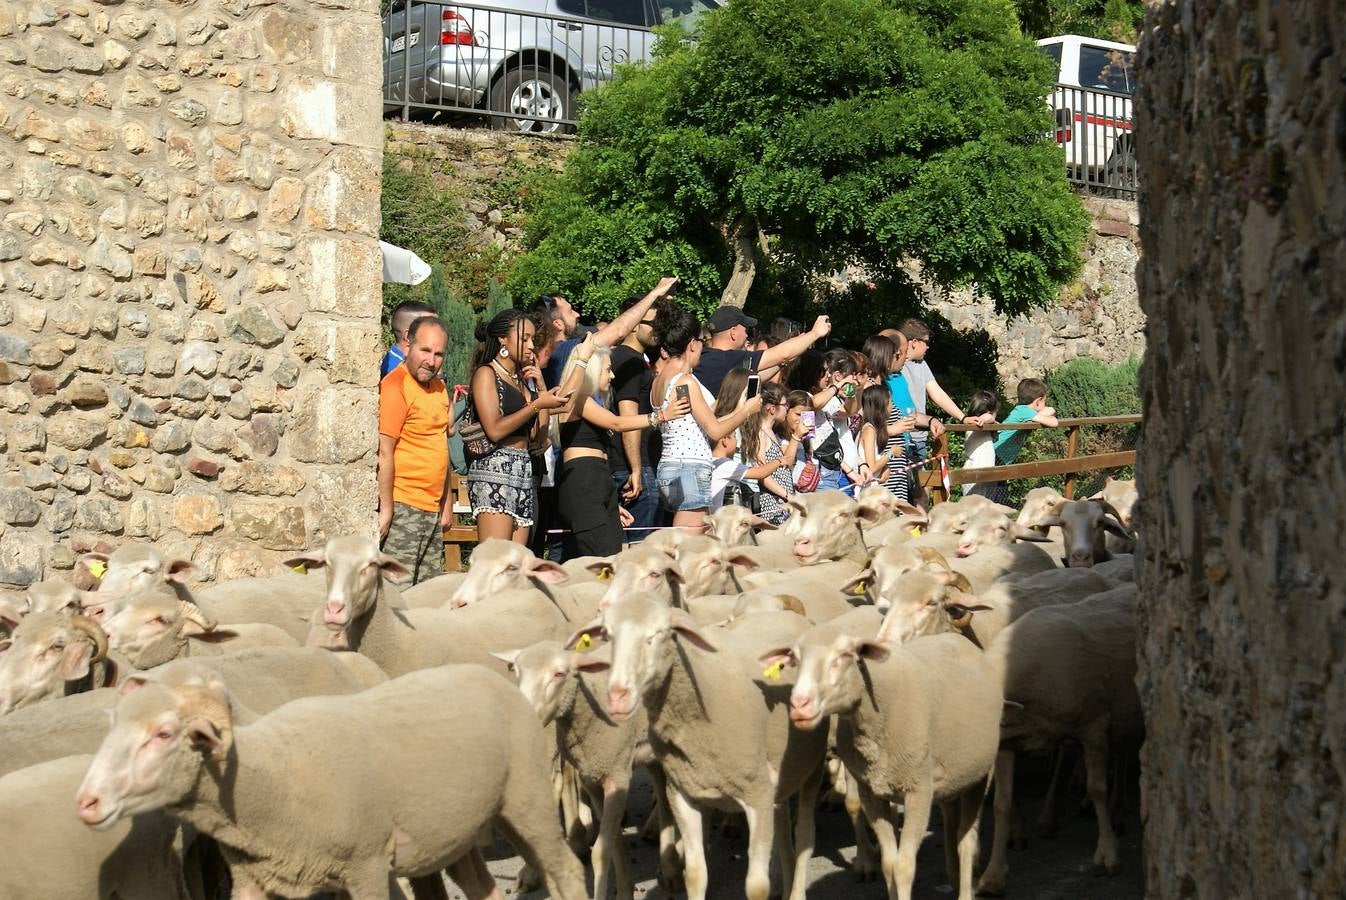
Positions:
{"x": 571, "y": 7}
{"x": 686, "y": 13}
{"x": 627, "y": 12}
{"x": 1054, "y": 52}
{"x": 396, "y": 6}
{"x": 1110, "y": 70}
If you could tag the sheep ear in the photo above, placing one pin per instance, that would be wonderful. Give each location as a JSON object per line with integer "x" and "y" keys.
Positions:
{"x": 178, "y": 570}
{"x": 742, "y": 561}
{"x": 1050, "y": 522}
{"x": 759, "y": 522}
{"x": 214, "y": 636}
{"x": 133, "y": 683}
{"x": 907, "y": 509}
{"x": 860, "y": 584}
{"x": 874, "y": 651}
{"x": 546, "y": 571}
{"x": 1024, "y": 533}
{"x": 86, "y": 560}
{"x": 75, "y": 660}
{"x": 1002, "y": 508}
{"x": 507, "y": 657}
{"x": 867, "y": 512}
{"x": 602, "y": 568}
{"x": 591, "y": 665}
{"x": 594, "y": 631}
{"x": 391, "y": 568}
{"x": 9, "y": 615}
{"x": 207, "y": 738}
{"x": 314, "y": 560}
{"x": 1117, "y": 528}
{"x": 686, "y": 628}
{"x": 783, "y": 655}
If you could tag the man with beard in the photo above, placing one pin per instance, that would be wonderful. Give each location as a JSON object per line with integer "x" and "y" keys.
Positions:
{"x": 635, "y": 454}
{"x": 415, "y": 420}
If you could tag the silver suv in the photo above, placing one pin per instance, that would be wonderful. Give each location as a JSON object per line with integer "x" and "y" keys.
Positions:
{"x": 523, "y": 61}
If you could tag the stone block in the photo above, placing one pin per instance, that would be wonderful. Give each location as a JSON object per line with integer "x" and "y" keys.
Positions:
{"x": 172, "y": 437}
{"x": 339, "y": 113}
{"x": 76, "y": 431}
{"x": 287, "y": 39}
{"x": 15, "y": 349}
{"x": 28, "y": 434}
{"x": 148, "y": 259}
{"x": 141, "y": 518}
{"x": 18, "y": 507}
{"x": 345, "y": 43}
{"x": 86, "y": 393}
{"x": 97, "y": 514}
{"x": 344, "y": 193}
{"x": 342, "y": 501}
{"x": 263, "y": 478}
{"x": 333, "y": 425}
{"x": 275, "y": 526}
{"x": 203, "y": 468}
{"x": 20, "y": 560}
{"x": 198, "y": 514}
{"x": 262, "y": 434}
{"x": 253, "y": 325}
{"x": 344, "y": 274}
{"x": 285, "y": 199}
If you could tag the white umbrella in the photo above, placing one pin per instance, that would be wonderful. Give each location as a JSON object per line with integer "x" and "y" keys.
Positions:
{"x": 401, "y": 266}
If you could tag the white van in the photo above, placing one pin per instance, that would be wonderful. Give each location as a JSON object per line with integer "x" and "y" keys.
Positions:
{"x": 1095, "y": 81}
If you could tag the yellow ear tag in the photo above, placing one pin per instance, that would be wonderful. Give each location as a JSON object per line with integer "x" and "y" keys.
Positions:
{"x": 915, "y": 532}
{"x": 604, "y": 574}
{"x": 772, "y": 672}
{"x": 584, "y": 643}
{"x": 301, "y": 569}
{"x": 96, "y": 569}
{"x": 859, "y": 589}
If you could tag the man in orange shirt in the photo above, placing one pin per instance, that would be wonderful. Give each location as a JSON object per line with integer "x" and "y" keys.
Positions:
{"x": 415, "y": 420}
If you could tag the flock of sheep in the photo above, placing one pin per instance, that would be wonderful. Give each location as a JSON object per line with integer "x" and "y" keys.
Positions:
{"x": 162, "y": 743}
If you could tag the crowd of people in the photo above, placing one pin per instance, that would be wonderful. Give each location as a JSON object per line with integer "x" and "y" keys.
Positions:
{"x": 579, "y": 439}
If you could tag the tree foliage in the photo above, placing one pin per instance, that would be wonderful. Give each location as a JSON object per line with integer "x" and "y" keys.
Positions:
{"x": 1113, "y": 20}
{"x": 835, "y": 133}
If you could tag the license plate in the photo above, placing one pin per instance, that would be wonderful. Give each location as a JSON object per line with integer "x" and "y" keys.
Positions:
{"x": 399, "y": 44}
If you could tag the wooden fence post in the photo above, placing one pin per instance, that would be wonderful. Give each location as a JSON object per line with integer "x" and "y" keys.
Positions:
{"x": 1072, "y": 445}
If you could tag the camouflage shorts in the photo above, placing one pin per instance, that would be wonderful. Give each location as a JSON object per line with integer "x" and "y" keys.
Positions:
{"x": 416, "y": 539}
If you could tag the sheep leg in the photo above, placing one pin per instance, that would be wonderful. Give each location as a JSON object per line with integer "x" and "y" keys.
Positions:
{"x": 537, "y": 835}
{"x": 670, "y": 861}
{"x": 785, "y": 851}
{"x": 1096, "y": 780}
{"x": 608, "y": 852}
{"x": 469, "y": 872}
{"x": 997, "y": 867}
{"x": 1049, "y": 820}
{"x": 969, "y": 816}
{"x": 915, "y": 819}
{"x": 688, "y": 818}
{"x": 881, "y": 816}
{"x": 864, "y": 867}
{"x": 805, "y": 834}
{"x": 761, "y": 837}
{"x": 948, "y": 816}
{"x": 431, "y": 887}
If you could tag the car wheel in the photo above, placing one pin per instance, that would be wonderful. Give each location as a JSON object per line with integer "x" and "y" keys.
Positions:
{"x": 530, "y": 91}
{"x": 1119, "y": 174}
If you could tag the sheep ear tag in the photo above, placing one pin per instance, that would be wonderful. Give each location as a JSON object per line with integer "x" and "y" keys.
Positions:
{"x": 301, "y": 569}
{"x": 915, "y": 532}
{"x": 584, "y": 644}
{"x": 604, "y": 574}
{"x": 859, "y": 589}
{"x": 772, "y": 672}
{"x": 96, "y": 569}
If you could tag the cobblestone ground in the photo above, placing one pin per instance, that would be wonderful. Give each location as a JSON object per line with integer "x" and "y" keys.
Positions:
{"x": 1057, "y": 868}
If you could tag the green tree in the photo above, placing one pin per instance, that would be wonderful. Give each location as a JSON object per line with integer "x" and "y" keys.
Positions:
{"x": 1114, "y": 20}
{"x": 816, "y": 135}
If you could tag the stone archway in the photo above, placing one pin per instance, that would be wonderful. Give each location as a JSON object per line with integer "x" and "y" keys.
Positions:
{"x": 1243, "y": 280}
{"x": 189, "y": 278}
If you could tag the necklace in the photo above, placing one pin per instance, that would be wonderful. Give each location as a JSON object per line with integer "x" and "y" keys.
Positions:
{"x": 512, "y": 376}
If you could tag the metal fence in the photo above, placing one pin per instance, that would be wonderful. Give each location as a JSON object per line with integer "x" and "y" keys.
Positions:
{"x": 1096, "y": 130}
{"x": 523, "y": 70}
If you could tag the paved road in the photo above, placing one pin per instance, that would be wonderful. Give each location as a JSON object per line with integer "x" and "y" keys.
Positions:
{"x": 1049, "y": 869}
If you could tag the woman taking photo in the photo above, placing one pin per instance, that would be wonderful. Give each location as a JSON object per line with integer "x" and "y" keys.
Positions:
{"x": 510, "y": 411}
{"x": 881, "y": 448}
{"x": 684, "y": 472}
{"x": 762, "y": 447}
{"x": 587, "y": 496}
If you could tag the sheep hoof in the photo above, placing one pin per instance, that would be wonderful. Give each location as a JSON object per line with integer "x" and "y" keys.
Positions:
{"x": 990, "y": 888}
{"x": 529, "y": 880}
{"x": 864, "y": 870}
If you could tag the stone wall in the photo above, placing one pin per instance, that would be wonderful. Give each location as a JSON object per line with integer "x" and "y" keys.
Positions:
{"x": 189, "y": 278}
{"x": 1099, "y": 314}
{"x": 1242, "y": 477}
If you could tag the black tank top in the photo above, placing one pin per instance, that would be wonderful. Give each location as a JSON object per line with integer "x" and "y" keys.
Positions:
{"x": 511, "y": 401}
{"x": 581, "y": 434}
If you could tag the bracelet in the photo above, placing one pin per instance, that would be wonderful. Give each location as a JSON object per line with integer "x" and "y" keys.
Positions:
{"x": 581, "y": 363}
{"x": 653, "y": 419}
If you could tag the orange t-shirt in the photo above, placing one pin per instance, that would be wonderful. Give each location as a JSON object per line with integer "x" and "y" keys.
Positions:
{"x": 418, "y": 418}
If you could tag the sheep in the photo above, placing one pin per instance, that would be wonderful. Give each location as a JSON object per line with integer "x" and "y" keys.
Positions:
{"x": 917, "y": 724}
{"x": 55, "y": 595}
{"x": 562, "y": 689}
{"x": 155, "y": 627}
{"x": 1070, "y": 670}
{"x": 709, "y": 566}
{"x": 50, "y": 854}
{"x": 770, "y": 547}
{"x": 500, "y": 565}
{"x": 1121, "y": 496}
{"x": 829, "y": 545}
{"x": 922, "y": 603}
{"x": 356, "y": 616}
{"x": 1085, "y": 526}
{"x": 1121, "y": 567}
{"x": 50, "y": 654}
{"x": 263, "y": 678}
{"x": 977, "y": 574}
{"x": 281, "y": 600}
{"x": 433, "y": 592}
{"x": 329, "y": 793}
{"x": 719, "y": 731}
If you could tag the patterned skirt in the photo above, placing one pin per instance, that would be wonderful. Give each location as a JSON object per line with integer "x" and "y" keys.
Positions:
{"x": 502, "y": 482}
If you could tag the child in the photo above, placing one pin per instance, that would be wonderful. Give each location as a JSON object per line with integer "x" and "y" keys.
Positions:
{"x": 880, "y": 440}
{"x": 1032, "y": 408}
{"x": 730, "y": 474}
{"x": 801, "y": 416}
{"x": 762, "y": 435}
{"x": 980, "y": 448}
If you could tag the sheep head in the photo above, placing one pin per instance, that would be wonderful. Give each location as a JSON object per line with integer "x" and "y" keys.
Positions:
{"x": 828, "y": 681}
{"x": 499, "y": 565}
{"x": 828, "y": 527}
{"x": 45, "y": 651}
{"x": 548, "y": 676}
{"x": 922, "y": 603}
{"x": 992, "y": 528}
{"x": 355, "y": 573}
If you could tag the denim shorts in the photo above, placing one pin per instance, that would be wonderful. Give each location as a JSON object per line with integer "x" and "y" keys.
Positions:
{"x": 684, "y": 484}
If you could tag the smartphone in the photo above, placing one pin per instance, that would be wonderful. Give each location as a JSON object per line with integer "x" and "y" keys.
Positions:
{"x": 848, "y": 389}
{"x": 682, "y": 392}
{"x": 754, "y": 382}
{"x": 809, "y": 418}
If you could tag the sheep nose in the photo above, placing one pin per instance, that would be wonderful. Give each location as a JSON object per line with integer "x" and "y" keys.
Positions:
{"x": 803, "y": 544}
{"x": 964, "y": 549}
{"x": 1081, "y": 560}
{"x": 334, "y": 612}
{"x": 88, "y": 809}
{"x": 619, "y": 700}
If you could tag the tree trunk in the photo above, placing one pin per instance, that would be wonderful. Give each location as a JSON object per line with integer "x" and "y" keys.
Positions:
{"x": 744, "y": 237}
{"x": 1241, "y": 131}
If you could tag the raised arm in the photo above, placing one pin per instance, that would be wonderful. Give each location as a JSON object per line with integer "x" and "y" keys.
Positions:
{"x": 788, "y": 350}
{"x": 616, "y": 331}
{"x": 705, "y": 416}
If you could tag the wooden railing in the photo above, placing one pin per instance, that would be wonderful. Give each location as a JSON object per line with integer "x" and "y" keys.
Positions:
{"x": 457, "y": 534}
{"x": 1070, "y": 465}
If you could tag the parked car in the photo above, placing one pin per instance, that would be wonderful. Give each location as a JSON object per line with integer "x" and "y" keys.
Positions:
{"x": 523, "y": 62}
{"x": 1096, "y": 80}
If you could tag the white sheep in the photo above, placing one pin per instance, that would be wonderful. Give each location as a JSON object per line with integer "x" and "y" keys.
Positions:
{"x": 367, "y": 805}
{"x": 49, "y": 853}
{"x": 50, "y": 654}
{"x": 1070, "y": 671}
{"x": 264, "y": 679}
{"x": 918, "y": 724}
{"x": 155, "y": 627}
{"x": 1086, "y": 526}
{"x": 719, "y": 729}
{"x": 563, "y": 689}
